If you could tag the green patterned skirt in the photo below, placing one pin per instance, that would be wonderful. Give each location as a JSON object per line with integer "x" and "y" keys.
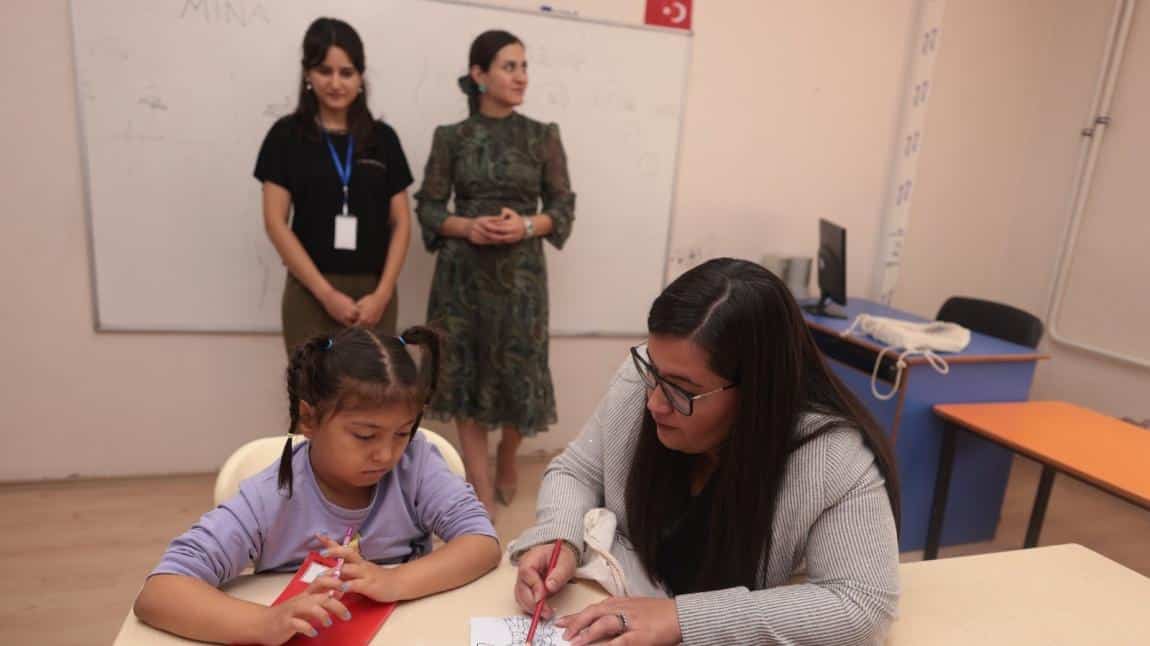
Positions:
{"x": 492, "y": 304}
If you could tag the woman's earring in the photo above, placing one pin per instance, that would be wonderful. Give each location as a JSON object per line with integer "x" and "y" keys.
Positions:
{"x": 482, "y": 88}
{"x": 308, "y": 86}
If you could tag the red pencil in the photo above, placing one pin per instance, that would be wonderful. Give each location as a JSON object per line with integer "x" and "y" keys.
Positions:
{"x": 539, "y": 606}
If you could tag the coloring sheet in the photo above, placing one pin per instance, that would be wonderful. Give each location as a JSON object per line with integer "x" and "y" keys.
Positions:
{"x": 512, "y": 631}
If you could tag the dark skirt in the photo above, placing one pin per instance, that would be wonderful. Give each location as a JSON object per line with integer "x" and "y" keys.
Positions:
{"x": 304, "y": 316}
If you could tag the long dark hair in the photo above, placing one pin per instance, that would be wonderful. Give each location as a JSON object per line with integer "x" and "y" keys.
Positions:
{"x": 746, "y": 320}
{"x": 484, "y": 49}
{"x": 322, "y": 35}
{"x": 357, "y": 368}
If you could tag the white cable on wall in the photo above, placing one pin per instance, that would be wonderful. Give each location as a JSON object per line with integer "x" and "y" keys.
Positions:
{"x": 904, "y": 161}
{"x": 1093, "y": 135}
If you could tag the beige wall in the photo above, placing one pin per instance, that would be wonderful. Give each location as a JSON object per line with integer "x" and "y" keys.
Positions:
{"x": 791, "y": 116}
{"x": 77, "y": 402}
{"x": 1013, "y": 87}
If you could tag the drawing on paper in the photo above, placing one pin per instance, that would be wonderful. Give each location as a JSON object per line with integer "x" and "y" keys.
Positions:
{"x": 512, "y": 631}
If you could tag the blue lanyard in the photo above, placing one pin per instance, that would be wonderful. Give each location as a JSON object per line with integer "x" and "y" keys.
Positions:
{"x": 344, "y": 169}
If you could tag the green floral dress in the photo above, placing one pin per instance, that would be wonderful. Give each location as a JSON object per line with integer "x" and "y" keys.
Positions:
{"x": 491, "y": 301}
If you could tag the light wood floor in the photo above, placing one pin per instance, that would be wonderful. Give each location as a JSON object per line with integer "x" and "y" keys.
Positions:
{"x": 76, "y": 552}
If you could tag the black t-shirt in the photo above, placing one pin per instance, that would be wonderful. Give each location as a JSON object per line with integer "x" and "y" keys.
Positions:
{"x": 297, "y": 158}
{"x": 684, "y": 542}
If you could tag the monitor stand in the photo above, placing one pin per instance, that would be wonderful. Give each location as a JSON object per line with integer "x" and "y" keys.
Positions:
{"x": 825, "y": 308}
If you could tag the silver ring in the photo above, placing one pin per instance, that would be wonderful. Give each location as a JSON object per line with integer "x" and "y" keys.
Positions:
{"x": 623, "y": 620}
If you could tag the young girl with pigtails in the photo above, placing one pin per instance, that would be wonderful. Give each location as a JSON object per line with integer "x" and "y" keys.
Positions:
{"x": 357, "y": 397}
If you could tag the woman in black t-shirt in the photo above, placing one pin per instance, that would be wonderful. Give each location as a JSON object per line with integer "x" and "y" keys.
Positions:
{"x": 343, "y": 177}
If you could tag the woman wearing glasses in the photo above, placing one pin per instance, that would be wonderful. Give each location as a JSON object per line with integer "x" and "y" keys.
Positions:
{"x": 733, "y": 460}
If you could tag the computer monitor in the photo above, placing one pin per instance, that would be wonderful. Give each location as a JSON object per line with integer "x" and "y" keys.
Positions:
{"x": 832, "y": 271}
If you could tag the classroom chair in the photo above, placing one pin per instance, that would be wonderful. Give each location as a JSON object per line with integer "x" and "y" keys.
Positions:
{"x": 257, "y": 455}
{"x": 994, "y": 319}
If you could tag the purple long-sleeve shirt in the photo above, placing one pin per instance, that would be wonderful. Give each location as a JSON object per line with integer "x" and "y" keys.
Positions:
{"x": 263, "y": 527}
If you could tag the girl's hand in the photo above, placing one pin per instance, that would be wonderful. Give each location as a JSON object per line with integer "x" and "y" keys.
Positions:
{"x": 340, "y": 307}
{"x": 300, "y": 614}
{"x": 533, "y": 567}
{"x": 373, "y": 581}
{"x": 362, "y": 576}
{"x": 617, "y": 621}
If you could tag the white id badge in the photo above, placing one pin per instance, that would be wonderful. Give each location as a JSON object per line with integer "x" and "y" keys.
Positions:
{"x": 345, "y": 232}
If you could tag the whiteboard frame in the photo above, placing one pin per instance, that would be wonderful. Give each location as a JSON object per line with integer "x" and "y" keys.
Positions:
{"x": 85, "y": 173}
{"x": 563, "y": 16}
{"x": 1093, "y": 135}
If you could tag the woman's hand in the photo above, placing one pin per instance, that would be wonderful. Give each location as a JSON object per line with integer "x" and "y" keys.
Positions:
{"x": 478, "y": 230}
{"x": 371, "y": 308}
{"x": 340, "y": 307}
{"x": 506, "y": 228}
{"x": 619, "y": 620}
{"x": 301, "y": 613}
{"x": 362, "y": 576}
{"x": 512, "y": 226}
{"x": 533, "y": 567}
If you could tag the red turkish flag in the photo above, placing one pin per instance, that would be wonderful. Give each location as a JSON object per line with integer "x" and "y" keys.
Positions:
{"x": 669, "y": 13}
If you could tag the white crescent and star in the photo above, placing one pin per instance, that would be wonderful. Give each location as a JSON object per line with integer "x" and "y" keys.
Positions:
{"x": 679, "y": 7}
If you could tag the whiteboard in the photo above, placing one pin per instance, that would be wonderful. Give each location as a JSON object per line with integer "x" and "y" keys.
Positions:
{"x": 175, "y": 97}
{"x": 1104, "y": 302}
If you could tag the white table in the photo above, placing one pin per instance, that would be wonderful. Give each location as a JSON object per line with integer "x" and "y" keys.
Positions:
{"x": 435, "y": 620}
{"x": 1064, "y": 594}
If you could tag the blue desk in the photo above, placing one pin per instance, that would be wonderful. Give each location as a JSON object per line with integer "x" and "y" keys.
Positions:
{"x": 989, "y": 370}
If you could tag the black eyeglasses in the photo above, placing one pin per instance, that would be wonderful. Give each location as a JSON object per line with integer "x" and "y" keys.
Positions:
{"x": 680, "y": 400}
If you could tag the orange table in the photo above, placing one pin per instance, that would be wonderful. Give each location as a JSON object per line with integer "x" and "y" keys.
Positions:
{"x": 1094, "y": 448}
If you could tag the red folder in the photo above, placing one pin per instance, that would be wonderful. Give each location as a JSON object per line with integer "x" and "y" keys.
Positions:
{"x": 367, "y": 616}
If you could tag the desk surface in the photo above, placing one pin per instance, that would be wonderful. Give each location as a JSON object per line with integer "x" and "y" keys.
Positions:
{"x": 440, "y": 619}
{"x": 982, "y": 347}
{"x": 1099, "y": 449}
{"x": 1065, "y": 594}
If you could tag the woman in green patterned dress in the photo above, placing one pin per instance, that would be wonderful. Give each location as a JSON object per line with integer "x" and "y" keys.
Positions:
{"x": 489, "y": 293}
